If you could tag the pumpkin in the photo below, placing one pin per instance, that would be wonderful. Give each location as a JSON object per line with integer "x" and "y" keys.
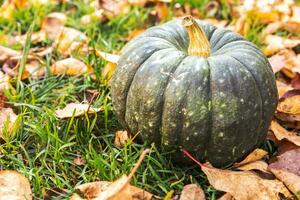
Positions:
{"x": 187, "y": 84}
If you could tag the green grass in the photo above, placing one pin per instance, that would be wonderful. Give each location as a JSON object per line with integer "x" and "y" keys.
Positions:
{"x": 43, "y": 147}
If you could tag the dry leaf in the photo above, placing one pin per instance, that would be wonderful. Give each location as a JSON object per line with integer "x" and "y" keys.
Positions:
{"x": 76, "y": 109}
{"x": 281, "y": 133}
{"x": 14, "y": 186}
{"x": 6, "y": 53}
{"x": 290, "y": 105}
{"x": 108, "y": 57}
{"x": 282, "y": 88}
{"x": 114, "y": 8}
{"x": 192, "y": 192}
{"x": 277, "y": 62}
{"x": 272, "y": 28}
{"x": 69, "y": 40}
{"x": 132, "y": 34}
{"x": 119, "y": 189}
{"x": 242, "y": 185}
{"x": 53, "y": 23}
{"x": 70, "y": 66}
{"x": 256, "y": 165}
{"x": 7, "y": 120}
{"x": 276, "y": 43}
{"x": 226, "y": 196}
{"x": 121, "y": 138}
{"x": 79, "y": 161}
{"x": 255, "y": 155}
{"x": 287, "y": 168}
{"x": 292, "y": 181}
{"x": 162, "y": 11}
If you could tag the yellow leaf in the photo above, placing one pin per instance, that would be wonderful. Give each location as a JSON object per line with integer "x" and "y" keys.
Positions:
{"x": 69, "y": 40}
{"x": 69, "y": 66}
{"x": 76, "y": 109}
{"x": 255, "y": 155}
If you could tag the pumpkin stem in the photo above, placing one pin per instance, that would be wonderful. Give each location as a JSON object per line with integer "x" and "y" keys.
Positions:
{"x": 199, "y": 44}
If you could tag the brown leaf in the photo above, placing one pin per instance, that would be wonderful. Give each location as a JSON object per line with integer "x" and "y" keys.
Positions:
{"x": 242, "y": 185}
{"x": 255, "y": 165}
{"x": 119, "y": 189}
{"x": 291, "y": 180}
{"x": 245, "y": 184}
{"x": 69, "y": 40}
{"x": 289, "y": 161}
{"x": 114, "y": 8}
{"x": 76, "y": 109}
{"x": 281, "y": 133}
{"x": 69, "y": 66}
{"x": 6, "y": 53}
{"x": 282, "y": 88}
{"x": 255, "y": 155}
{"x": 161, "y": 11}
{"x": 53, "y": 23}
{"x": 277, "y": 62}
{"x": 276, "y": 43}
{"x": 121, "y": 138}
{"x": 287, "y": 168}
{"x": 192, "y": 192}
{"x": 272, "y": 28}
{"x": 226, "y": 196}
{"x": 14, "y": 186}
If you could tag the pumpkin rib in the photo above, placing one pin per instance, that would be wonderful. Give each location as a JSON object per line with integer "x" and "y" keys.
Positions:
{"x": 125, "y": 71}
{"x": 221, "y": 38}
{"x": 260, "y": 97}
{"x": 135, "y": 104}
{"x": 172, "y": 108}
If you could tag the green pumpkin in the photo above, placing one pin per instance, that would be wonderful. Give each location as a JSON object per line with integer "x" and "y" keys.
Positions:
{"x": 216, "y": 106}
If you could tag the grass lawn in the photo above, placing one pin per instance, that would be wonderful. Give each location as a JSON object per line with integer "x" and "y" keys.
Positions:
{"x": 43, "y": 148}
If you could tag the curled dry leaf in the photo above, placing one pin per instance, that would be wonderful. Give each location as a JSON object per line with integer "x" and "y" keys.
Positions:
{"x": 14, "y": 186}
{"x": 110, "y": 67}
{"x": 69, "y": 66}
{"x": 282, "y": 88}
{"x": 242, "y": 185}
{"x": 119, "y": 189}
{"x": 121, "y": 138}
{"x": 255, "y": 155}
{"x": 114, "y": 8}
{"x": 292, "y": 181}
{"x": 281, "y": 133}
{"x": 69, "y": 40}
{"x": 108, "y": 57}
{"x": 192, "y": 192}
{"x": 255, "y": 165}
{"x": 76, "y": 109}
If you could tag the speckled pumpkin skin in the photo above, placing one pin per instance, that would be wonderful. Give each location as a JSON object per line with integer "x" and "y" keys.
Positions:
{"x": 217, "y": 108}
